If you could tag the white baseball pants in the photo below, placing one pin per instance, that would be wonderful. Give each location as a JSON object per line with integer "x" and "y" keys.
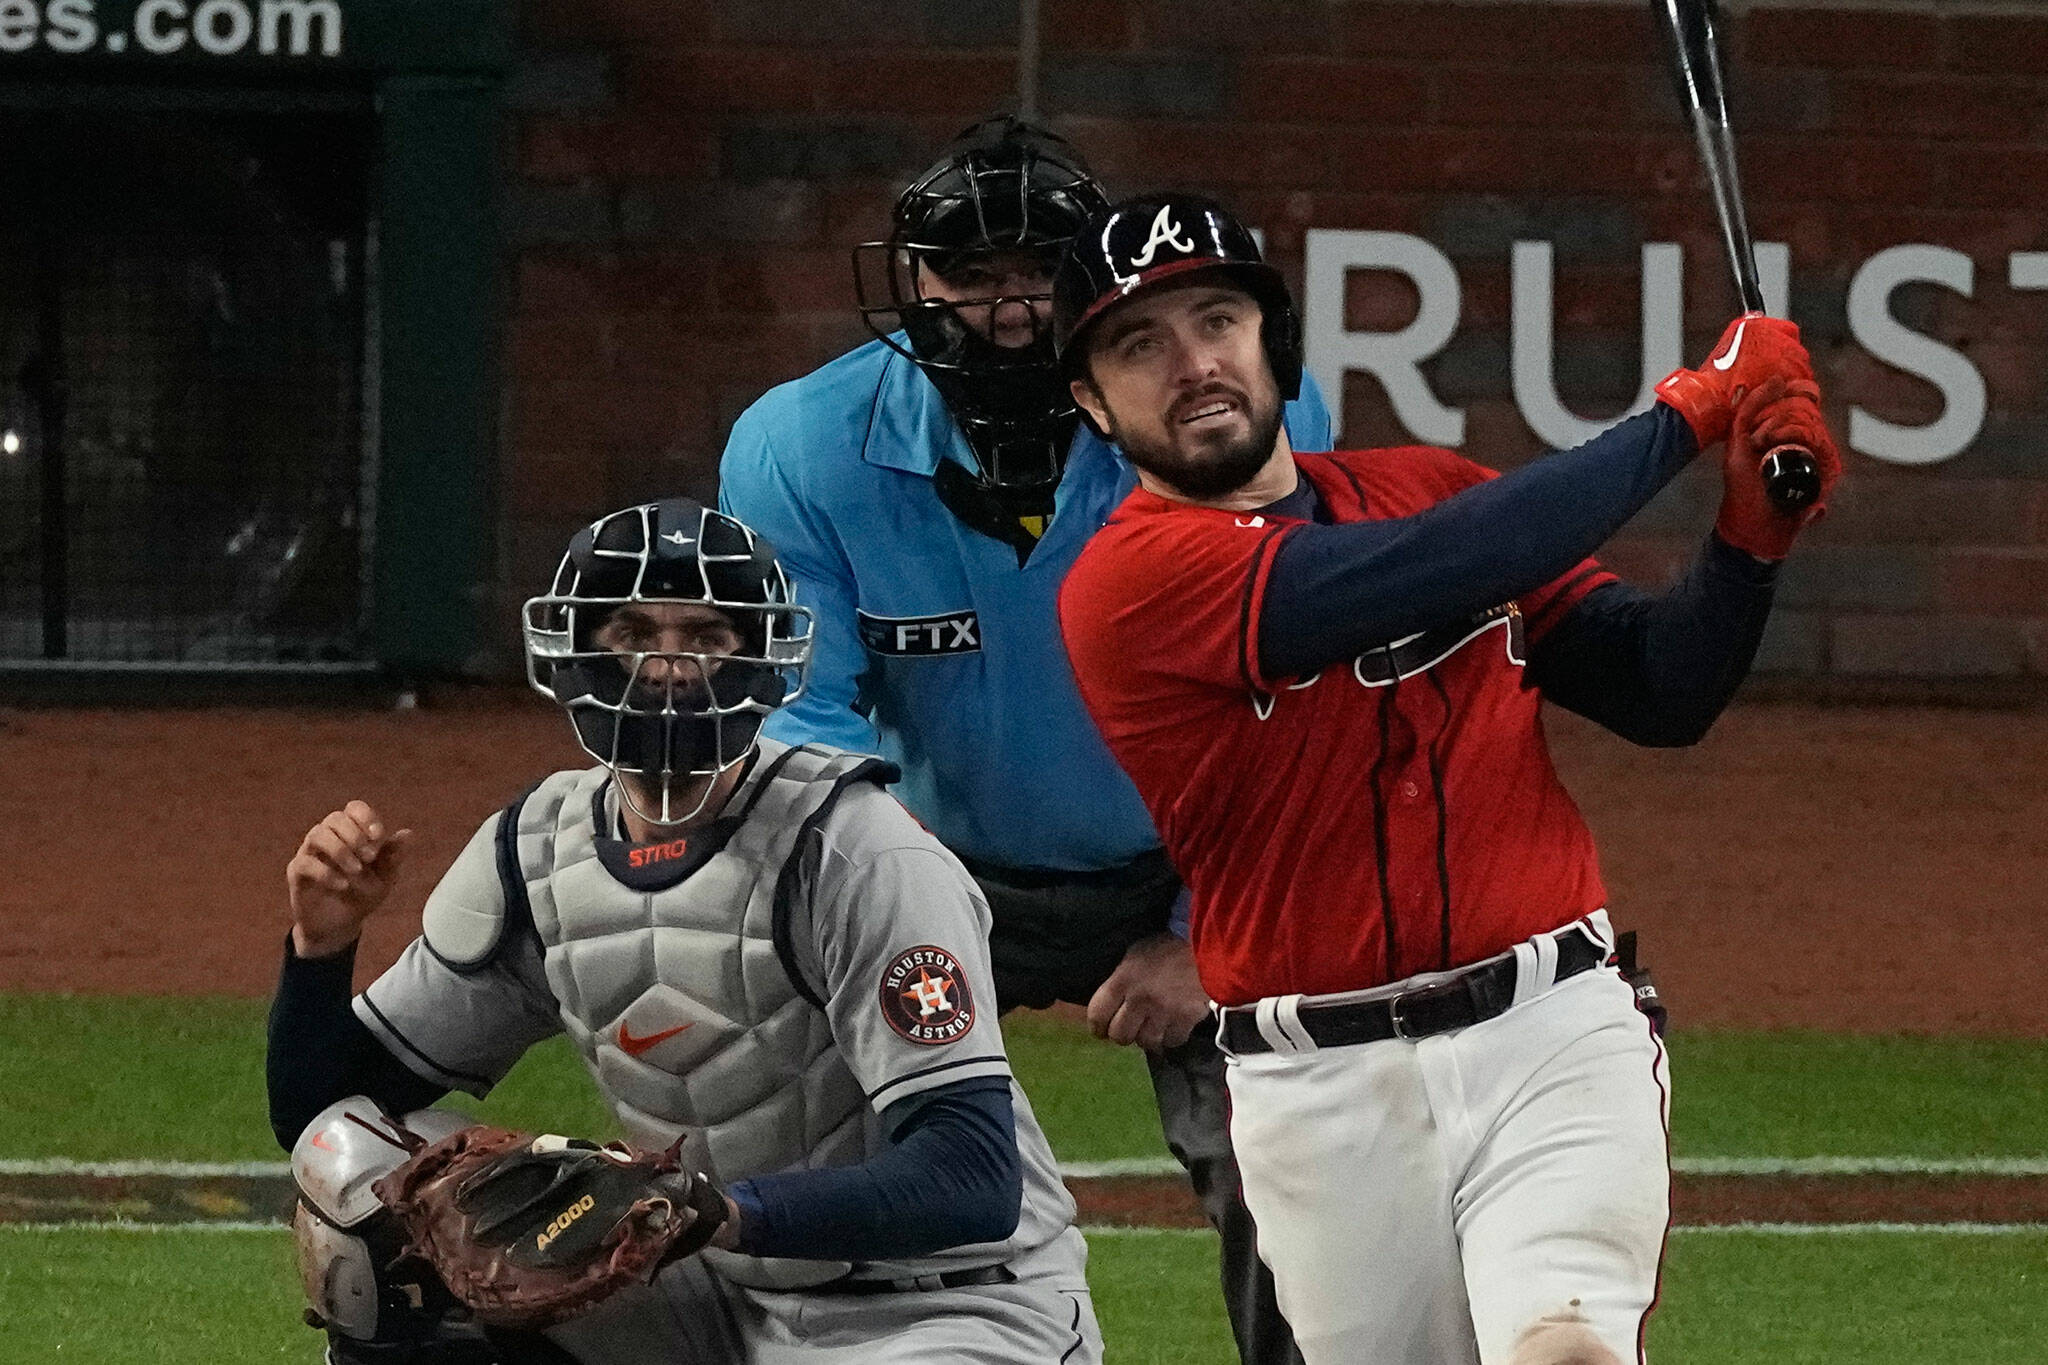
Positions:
{"x": 1424, "y": 1202}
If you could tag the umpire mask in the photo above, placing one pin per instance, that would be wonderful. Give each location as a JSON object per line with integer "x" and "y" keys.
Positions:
{"x": 1005, "y": 192}
{"x": 669, "y": 636}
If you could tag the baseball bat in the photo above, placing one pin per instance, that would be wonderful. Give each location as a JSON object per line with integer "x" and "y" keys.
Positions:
{"x": 1791, "y": 477}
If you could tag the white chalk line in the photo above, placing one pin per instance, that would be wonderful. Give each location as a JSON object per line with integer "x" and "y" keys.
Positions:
{"x": 1861, "y": 1165}
{"x": 116, "y": 1225}
{"x": 1698, "y": 1165}
{"x": 1836, "y": 1229}
{"x": 1688, "y": 1230}
{"x": 132, "y": 1170}
{"x": 1107, "y": 1230}
{"x": 1129, "y": 1167}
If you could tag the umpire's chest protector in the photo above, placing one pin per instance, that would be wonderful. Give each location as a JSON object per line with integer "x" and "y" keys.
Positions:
{"x": 693, "y": 1007}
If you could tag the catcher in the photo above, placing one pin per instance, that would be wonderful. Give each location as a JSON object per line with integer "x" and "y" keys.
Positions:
{"x": 777, "y": 979}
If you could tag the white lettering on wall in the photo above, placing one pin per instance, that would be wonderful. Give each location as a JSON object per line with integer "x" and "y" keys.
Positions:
{"x": 301, "y": 14}
{"x": 1394, "y": 358}
{"x": 219, "y": 28}
{"x": 152, "y": 38}
{"x": 1774, "y": 273}
{"x": 1884, "y": 336}
{"x": 1532, "y": 348}
{"x": 18, "y": 20}
{"x": 219, "y": 39}
{"x": 72, "y": 26}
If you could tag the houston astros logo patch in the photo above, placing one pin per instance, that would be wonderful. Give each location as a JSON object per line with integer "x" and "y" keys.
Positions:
{"x": 925, "y": 996}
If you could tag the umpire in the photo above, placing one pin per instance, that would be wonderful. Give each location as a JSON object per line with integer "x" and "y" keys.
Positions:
{"x": 929, "y": 491}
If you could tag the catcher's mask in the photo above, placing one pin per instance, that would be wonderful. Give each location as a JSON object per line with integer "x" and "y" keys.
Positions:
{"x": 1003, "y": 188}
{"x": 704, "y": 641}
{"x": 1141, "y": 244}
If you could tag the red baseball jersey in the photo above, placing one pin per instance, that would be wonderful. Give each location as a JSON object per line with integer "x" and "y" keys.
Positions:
{"x": 1391, "y": 815}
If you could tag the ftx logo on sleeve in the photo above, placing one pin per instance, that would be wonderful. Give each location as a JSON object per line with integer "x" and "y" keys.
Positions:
{"x": 956, "y": 632}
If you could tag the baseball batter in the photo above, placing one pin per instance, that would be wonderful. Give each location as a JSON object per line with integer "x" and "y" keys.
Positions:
{"x": 929, "y": 492}
{"x": 1324, "y": 672}
{"x": 754, "y": 949}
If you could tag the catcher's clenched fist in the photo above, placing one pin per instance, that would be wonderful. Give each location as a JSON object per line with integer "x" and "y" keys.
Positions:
{"x": 342, "y": 872}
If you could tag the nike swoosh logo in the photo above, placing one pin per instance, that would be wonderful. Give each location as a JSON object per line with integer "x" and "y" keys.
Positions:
{"x": 1726, "y": 362}
{"x": 633, "y": 1046}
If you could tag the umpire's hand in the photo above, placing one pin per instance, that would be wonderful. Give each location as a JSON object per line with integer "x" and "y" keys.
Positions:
{"x": 1153, "y": 998}
{"x": 342, "y": 872}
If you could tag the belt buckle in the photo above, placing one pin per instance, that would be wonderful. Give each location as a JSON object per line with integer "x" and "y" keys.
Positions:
{"x": 1443, "y": 990}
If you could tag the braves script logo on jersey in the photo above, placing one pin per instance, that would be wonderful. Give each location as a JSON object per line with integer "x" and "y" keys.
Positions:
{"x": 956, "y": 632}
{"x": 925, "y": 996}
{"x": 1405, "y": 658}
{"x": 1402, "y": 659}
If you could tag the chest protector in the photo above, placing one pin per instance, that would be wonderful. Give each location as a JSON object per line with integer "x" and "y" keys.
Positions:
{"x": 695, "y": 1006}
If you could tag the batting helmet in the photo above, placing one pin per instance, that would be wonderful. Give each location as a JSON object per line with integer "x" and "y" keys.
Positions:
{"x": 1140, "y": 244}
{"x": 706, "y": 713}
{"x": 1003, "y": 185}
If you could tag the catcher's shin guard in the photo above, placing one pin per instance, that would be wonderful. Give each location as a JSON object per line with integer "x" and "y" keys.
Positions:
{"x": 376, "y": 1307}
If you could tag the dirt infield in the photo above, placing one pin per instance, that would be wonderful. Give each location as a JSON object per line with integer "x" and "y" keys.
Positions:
{"x": 1114, "y": 1201}
{"x": 1696, "y": 1200}
{"x": 1863, "y": 870}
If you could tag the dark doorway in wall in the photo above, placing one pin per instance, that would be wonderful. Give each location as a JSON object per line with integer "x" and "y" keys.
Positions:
{"x": 188, "y": 371}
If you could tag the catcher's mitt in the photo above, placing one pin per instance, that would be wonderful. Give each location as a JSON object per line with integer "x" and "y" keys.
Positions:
{"x": 527, "y": 1232}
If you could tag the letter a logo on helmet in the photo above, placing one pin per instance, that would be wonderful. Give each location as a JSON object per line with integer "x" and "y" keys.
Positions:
{"x": 1165, "y": 232}
{"x": 1107, "y": 263}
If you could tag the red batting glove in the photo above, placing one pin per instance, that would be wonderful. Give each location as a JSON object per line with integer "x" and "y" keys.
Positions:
{"x": 1777, "y": 413}
{"x": 1753, "y": 348}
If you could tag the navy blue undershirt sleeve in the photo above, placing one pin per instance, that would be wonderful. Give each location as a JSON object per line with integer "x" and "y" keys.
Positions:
{"x": 951, "y": 1176}
{"x": 319, "y": 1052}
{"x": 1658, "y": 670}
{"x": 1336, "y": 591}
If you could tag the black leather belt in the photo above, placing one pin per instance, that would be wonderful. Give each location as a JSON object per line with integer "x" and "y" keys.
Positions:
{"x": 1464, "y": 1000}
{"x": 1146, "y": 867}
{"x": 947, "y": 1279}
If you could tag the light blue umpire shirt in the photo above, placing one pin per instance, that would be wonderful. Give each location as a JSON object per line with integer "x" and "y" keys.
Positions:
{"x": 933, "y": 648}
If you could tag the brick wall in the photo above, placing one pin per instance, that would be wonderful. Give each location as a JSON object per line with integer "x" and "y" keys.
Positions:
{"x": 686, "y": 179}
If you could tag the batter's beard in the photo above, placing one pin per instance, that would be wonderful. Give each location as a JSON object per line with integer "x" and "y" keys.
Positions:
{"x": 1218, "y": 472}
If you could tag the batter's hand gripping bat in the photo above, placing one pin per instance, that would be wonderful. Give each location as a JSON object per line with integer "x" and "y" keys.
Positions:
{"x": 1790, "y": 475}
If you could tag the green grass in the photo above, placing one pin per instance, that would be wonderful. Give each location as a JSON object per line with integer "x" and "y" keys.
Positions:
{"x": 1818, "y": 1094}
{"x": 99, "y": 1077}
{"x": 1094, "y": 1100}
{"x": 107, "y": 1077}
{"x": 1157, "y": 1298}
{"x": 84, "y": 1071}
{"x": 1882, "y": 1298}
{"x": 103, "y": 1078}
{"x": 138, "y": 1298}
{"x": 223, "y": 1298}
{"x": 183, "y": 1298}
